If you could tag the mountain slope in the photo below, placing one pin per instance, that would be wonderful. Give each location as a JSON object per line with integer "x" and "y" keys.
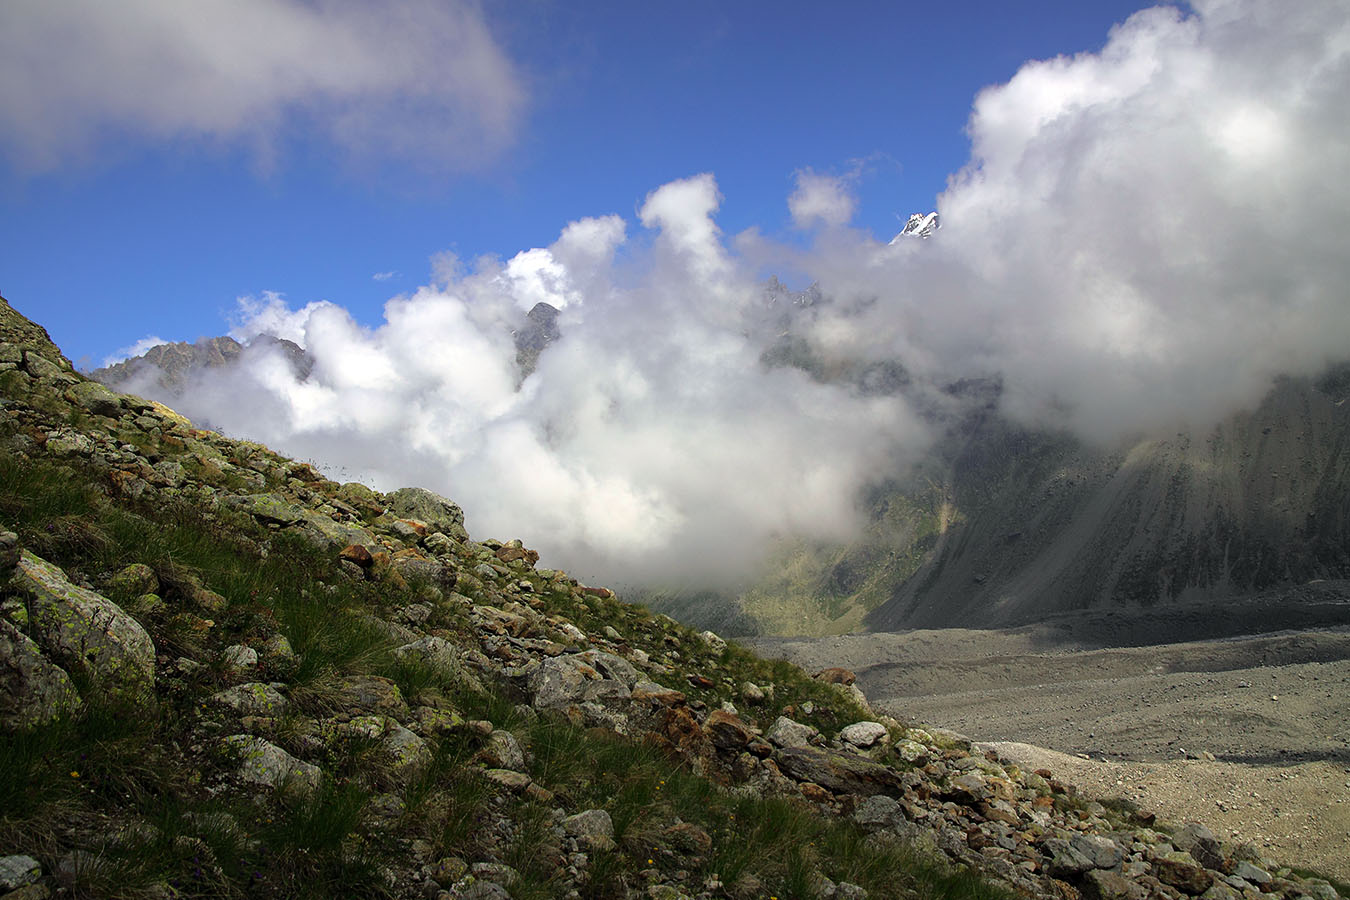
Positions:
{"x": 1048, "y": 525}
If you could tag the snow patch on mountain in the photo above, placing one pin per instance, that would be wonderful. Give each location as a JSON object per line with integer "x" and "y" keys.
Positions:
{"x": 920, "y": 226}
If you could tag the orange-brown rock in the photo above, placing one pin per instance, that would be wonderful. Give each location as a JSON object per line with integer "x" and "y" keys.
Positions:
{"x": 814, "y": 792}
{"x": 727, "y": 731}
{"x": 836, "y": 675}
{"x": 305, "y": 472}
{"x": 355, "y": 553}
{"x": 509, "y": 554}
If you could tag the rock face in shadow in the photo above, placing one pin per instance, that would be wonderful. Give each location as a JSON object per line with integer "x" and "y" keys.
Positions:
{"x": 534, "y": 336}
{"x": 1044, "y": 525}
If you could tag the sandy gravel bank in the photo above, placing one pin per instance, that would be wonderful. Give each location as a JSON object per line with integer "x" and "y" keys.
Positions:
{"x": 1273, "y": 710}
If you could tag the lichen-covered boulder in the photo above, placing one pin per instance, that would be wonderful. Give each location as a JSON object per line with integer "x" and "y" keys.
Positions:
{"x": 405, "y": 753}
{"x": 95, "y": 398}
{"x": 438, "y": 513}
{"x": 253, "y": 699}
{"x": 133, "y": 581}
{"x": 324, "y": 531}
{"x": 33, "y": 690}
{"x": 370, "y": 695}
{"x": 86, "y": 631}
{"x": 267, "y": 508}
{"x": 267, "y": 764}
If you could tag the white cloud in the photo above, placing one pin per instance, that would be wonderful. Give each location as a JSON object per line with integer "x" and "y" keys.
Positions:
{"x": 1143, "y": 238}
{"x": 383, "y": 276}
{"x": 821, "y": 199}
{"x": 424, "y": 80}
{"x": 650, "y": 437}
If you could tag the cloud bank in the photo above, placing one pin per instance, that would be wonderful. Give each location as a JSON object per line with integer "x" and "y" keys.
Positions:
{"x": 423, "y": 80}
{"x": 1142, "y": 239}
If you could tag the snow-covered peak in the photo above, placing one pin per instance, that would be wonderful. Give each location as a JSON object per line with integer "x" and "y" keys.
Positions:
{"x": 920, "y": 226}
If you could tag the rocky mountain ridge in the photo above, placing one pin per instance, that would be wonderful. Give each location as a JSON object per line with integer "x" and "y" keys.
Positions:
{"x": 347, "y": 700}
{"x": 170, "y": 368}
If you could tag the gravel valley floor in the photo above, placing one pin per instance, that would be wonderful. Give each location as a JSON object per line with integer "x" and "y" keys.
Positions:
{"x": 1249, "y": 734}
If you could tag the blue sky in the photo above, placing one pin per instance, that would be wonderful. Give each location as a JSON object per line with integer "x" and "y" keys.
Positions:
{"x": 141, "y": 230}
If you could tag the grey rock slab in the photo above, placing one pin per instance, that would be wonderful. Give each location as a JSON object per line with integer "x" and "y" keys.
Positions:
{"x": 267, "y": 507}
{"x": 592, "y": 828}
{"x": 33, "y": 689}
{"x": 1100, "y": 884}
{"x": 1320, "y": 890}
{"x": 95, "y": 398}
{"x": 879, "y": 811}
{"x": 863, "y": 734}
{"x": 581, "y": 677}
{"x": 327, "y": 532}
{"x": 1254, "y": 874}
{"x": 436, "y": 652}
{"x": 1220, "y": 891}
{"x": 415, "y": 569}
{"x": 40, "y": 367}
{"x": 18, "y": 870}
{"x": 85, "y": 630}
{"x": 266, "y": 764}
{"x": 502, "y": 751}
{"x": 786, "y": 733}
{"x": 842, "y": 773}
{"x": 1103, "y": 852}
{"x": 253, "y": 699}
{"x": 68, "y": 443}
{"x": 1065, "y": 861}
{"x": 406, "y": 753}
{"x": 1199, "y": 842}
